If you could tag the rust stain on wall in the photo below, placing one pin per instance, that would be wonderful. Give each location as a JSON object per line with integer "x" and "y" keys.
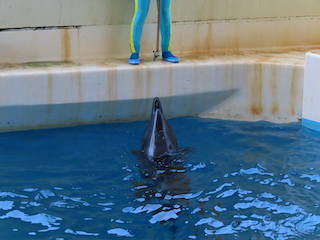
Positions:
{"x": 50, "y": 89}
{"x": 209, "y": 39}
{"x": 65, "y": 44}
{"x": 138, "y": 88}
{"x": 230, "y": 78}
{"x": 110, "y": 109}
{"x": 112, "y": 84}
{"x": 274, "y": 90}
{"x": 256, "y": 90}
{"x": 78, "y": 43}
{"x": 49, "y": 95}
{"x": 236, "y": 39}
{"x": 197, "y": 42}
{"x": 79, "y": 91}
{"x": 293, "y": 91}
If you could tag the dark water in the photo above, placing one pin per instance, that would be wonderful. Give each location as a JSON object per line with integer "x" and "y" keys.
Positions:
{"x": 242, "y": 180}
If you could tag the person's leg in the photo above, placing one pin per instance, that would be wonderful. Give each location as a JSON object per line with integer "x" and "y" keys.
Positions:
{"x": 140, "y": 14}
{"x": 166, "y": 31}
{"x": 141, "y": 11}
{"x": 165, "y": 25}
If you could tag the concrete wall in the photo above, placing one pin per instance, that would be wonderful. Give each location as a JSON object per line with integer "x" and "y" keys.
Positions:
{"x": 233, "y": 86}
{"x": 249, "y": 87}
{"x": 311, "y": 96}
{"x": 48, "y": 13}
{"x": 55, "y": 30}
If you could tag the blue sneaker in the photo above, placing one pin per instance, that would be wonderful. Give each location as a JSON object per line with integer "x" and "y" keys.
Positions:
{"x": 134, "y": 59}
{"x": 167, "y": 56}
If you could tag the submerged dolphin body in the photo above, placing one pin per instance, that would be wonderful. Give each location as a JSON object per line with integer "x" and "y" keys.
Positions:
{"x": 159, "y": 137}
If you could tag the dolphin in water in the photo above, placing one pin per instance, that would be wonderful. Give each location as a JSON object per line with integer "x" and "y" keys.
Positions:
{"x": 159, "y": 137}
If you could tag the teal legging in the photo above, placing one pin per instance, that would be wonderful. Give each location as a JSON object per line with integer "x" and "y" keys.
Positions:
{"x": 141, "y": 11}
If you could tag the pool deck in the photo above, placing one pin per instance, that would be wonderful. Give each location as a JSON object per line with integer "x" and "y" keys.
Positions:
{"x": 239, "y": 86}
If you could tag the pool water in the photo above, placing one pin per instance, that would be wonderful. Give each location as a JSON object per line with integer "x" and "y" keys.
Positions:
{"x": 231, "y": 180}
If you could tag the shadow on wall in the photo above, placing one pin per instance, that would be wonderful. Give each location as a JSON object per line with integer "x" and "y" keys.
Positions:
{"x": 71, "y": 114}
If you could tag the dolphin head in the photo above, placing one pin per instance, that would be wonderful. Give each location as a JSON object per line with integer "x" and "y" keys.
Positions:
{"x": 159, "y": 137}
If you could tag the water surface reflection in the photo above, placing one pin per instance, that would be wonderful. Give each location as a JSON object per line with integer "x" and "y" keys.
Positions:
{"x": 243, "y": 181}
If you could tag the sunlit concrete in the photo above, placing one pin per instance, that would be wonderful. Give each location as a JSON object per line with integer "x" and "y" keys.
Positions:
{"x": 229, "y": 86}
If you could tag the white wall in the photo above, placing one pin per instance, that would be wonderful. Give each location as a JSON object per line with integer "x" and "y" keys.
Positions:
{"x": 311, "y": 96}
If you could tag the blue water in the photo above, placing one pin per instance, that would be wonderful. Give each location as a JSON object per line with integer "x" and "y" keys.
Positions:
{"x": 233, "y": 180}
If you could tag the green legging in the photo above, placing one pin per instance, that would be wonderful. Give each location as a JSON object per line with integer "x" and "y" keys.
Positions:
{"x": 141, "y": 11}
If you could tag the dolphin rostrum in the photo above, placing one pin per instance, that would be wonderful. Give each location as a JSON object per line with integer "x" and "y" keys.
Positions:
{"x": 159, "y": 137}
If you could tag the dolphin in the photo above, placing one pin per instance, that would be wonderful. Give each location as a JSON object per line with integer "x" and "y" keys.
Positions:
{"x": 159, "y": 137}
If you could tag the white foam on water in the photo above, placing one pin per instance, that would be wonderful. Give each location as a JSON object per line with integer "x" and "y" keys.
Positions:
{"x": 120, "y": 232}
{"x": 6, "y": 205}
{"x": 83, "y": 233}
{"x": 45, "y": 220}
{"x": 164, "y": 216}
{"x": 13, "y": 195}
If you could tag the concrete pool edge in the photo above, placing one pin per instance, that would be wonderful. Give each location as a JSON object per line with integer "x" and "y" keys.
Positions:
{"x": 230, "y": 86}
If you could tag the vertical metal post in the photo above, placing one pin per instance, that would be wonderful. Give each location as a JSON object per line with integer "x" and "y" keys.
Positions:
{"x": 156, "y": 53}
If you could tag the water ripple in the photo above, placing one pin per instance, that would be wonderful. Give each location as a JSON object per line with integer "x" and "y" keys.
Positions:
{"x": 241, "y": 181}
{"x": 41, "y": 218}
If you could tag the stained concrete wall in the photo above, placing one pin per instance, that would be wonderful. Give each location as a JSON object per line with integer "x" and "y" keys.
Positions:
{"x": 90, "y": 89}
{"x": 55, "y": 30}
{"x": 48, "y": 13}
{"x": 249, "y": 87}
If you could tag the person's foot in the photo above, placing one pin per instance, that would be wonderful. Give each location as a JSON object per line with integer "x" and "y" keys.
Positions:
{"x": 134, "y": 59}
{"x": 167, "y": 56}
